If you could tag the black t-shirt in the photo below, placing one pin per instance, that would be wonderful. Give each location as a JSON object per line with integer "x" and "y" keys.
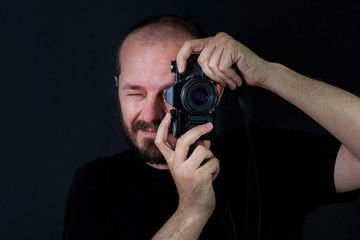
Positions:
{"x": 121, "y": 197}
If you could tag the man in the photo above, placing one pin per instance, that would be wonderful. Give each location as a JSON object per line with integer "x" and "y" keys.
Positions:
{"x": 156, "y": 191}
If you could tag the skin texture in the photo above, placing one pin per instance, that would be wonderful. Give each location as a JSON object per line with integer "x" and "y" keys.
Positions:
{"x": 140, "y": 89}
{"x": 336, "y": 110}
{"x": 141, "y": 86}
{"x": 145, "y": 74}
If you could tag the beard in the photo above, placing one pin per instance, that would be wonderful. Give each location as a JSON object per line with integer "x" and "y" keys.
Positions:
{"x": 148, "y": 151}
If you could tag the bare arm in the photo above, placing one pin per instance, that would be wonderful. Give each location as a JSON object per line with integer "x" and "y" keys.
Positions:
{"x": 181, "y": 225}
{"x": 336, "y": 110}
{"x": 193, "y": 180}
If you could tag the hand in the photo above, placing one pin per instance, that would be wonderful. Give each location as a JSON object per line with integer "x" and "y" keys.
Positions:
{"x": 192, "y": 178}
{"x": 217, "y": 57}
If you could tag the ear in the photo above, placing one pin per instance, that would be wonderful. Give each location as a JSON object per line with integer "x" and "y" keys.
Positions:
{"x": 116, "y": 81}
{"x": 220, "y": 90}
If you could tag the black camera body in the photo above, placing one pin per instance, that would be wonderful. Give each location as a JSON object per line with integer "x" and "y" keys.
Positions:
{"x": 194, "y": 97}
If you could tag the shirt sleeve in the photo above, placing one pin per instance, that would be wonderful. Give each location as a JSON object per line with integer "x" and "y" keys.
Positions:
{"x": 295, "y": 169}
{"x": 297, "y": 166}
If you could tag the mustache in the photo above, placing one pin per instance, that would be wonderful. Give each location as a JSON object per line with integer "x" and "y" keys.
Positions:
{"x": 142, "y": 125}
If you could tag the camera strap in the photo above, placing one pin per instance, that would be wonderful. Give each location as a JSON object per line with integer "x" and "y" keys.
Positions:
{"x": 252, "y": 203}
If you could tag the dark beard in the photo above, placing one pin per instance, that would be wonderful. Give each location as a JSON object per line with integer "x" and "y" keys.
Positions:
{"x": 149, "y": 152}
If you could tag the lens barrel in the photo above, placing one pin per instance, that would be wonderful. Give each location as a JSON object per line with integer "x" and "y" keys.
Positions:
{"x": 199, "y": 96}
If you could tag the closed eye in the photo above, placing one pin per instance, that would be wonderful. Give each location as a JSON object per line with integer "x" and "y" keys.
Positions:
{"x": 135, "y": 95}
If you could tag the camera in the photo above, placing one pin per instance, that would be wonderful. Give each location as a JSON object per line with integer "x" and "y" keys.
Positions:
{"x": 194, "y": 97}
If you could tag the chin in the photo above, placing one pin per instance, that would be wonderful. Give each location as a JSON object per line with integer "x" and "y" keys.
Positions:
{"x": 150, "y": 153}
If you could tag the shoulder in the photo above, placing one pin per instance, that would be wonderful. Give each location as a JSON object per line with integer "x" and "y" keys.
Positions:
{"x": 276, "y": 140}
{"x": 103, "y": 167}
{"x": 104, "y": 163}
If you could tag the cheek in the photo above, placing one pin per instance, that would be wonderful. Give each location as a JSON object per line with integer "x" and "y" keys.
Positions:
{"x": 129, "y": 111}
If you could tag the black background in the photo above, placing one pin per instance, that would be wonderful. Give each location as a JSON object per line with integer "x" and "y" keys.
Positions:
{"x": 58, "y": 97}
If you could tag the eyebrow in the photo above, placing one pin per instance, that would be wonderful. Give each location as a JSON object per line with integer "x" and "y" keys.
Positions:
{"x": 132, "y": 87}
{"x": 137, "y": 87}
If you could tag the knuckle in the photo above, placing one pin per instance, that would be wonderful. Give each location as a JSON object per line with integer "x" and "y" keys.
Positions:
{"x": 216, "y": 160}
{"x": 217, "y": 163}
{"x": 187, "y": 44}
{"x": 212, "y": 65}
{"x": 201, "y": 59}
{"x": 223, "y": 37}
{"x": 222, "y": 67}
{"x": 213, "y": 160}
{"x": 207, "y": 144}
{"x": 157, "y": 141}
{"x": 231, "y": 43}
{"x": 220, "y": 34}
{"x": 182, "y": 141}
{"x": 201, "y": 150}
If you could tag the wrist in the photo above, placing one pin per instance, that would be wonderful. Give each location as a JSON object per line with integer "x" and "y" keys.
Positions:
{"x": 183, "y": 224}
{"x": 194, "y": 215}
{"x": 273, "y": 75}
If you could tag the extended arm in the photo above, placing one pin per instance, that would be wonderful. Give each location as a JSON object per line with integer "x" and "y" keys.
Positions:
{"x": 336, "y": 110}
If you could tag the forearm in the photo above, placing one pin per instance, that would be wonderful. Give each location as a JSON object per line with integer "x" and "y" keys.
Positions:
{"x": 336, "y": 110}
{"x": 182, "y": 225}
{"x": 193, "y": 178}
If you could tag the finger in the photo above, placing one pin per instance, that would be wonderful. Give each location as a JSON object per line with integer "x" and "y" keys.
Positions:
{"x": 220, "y": 64}
{"x": 205, "y": 143}
{"x": 224, "y": 58}
{"x": 189, "y": 47}
{"x": 207, "y": 53}
{"x": 161, "y": 137}
{"x": 209, "y": 61}
{"x": 226, "y": 62}
{"x": 219, "y": 76}
{"x": 225, "y": 79}
{"x": 214, "y": 75}
{"x": 200, "y": 154}
{"x": 211, "y": 167}
{"x": 204, "y": 59}
{"x": 234, "y": 76}
{"x": 184, "y": 142}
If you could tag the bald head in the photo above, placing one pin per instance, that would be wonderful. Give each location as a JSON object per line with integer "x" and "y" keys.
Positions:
{"x": 162, "y": 29}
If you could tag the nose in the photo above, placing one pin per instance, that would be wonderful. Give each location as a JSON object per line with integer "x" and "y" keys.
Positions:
{"x": 155, "y": 109}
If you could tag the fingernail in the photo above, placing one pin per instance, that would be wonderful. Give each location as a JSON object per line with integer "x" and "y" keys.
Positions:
{"x": 209, "y": 125}
{"x": 167, "y": 116}
{"x": 180, "y": 68}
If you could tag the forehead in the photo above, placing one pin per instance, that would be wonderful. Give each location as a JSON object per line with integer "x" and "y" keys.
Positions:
{"x": 141, "y": 61}
{"x": 138, "y": 44}
{"x": 166, "y": 40}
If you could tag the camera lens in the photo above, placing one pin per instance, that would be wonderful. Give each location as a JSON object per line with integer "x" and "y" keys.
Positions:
{"x": 200, "y": 96}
